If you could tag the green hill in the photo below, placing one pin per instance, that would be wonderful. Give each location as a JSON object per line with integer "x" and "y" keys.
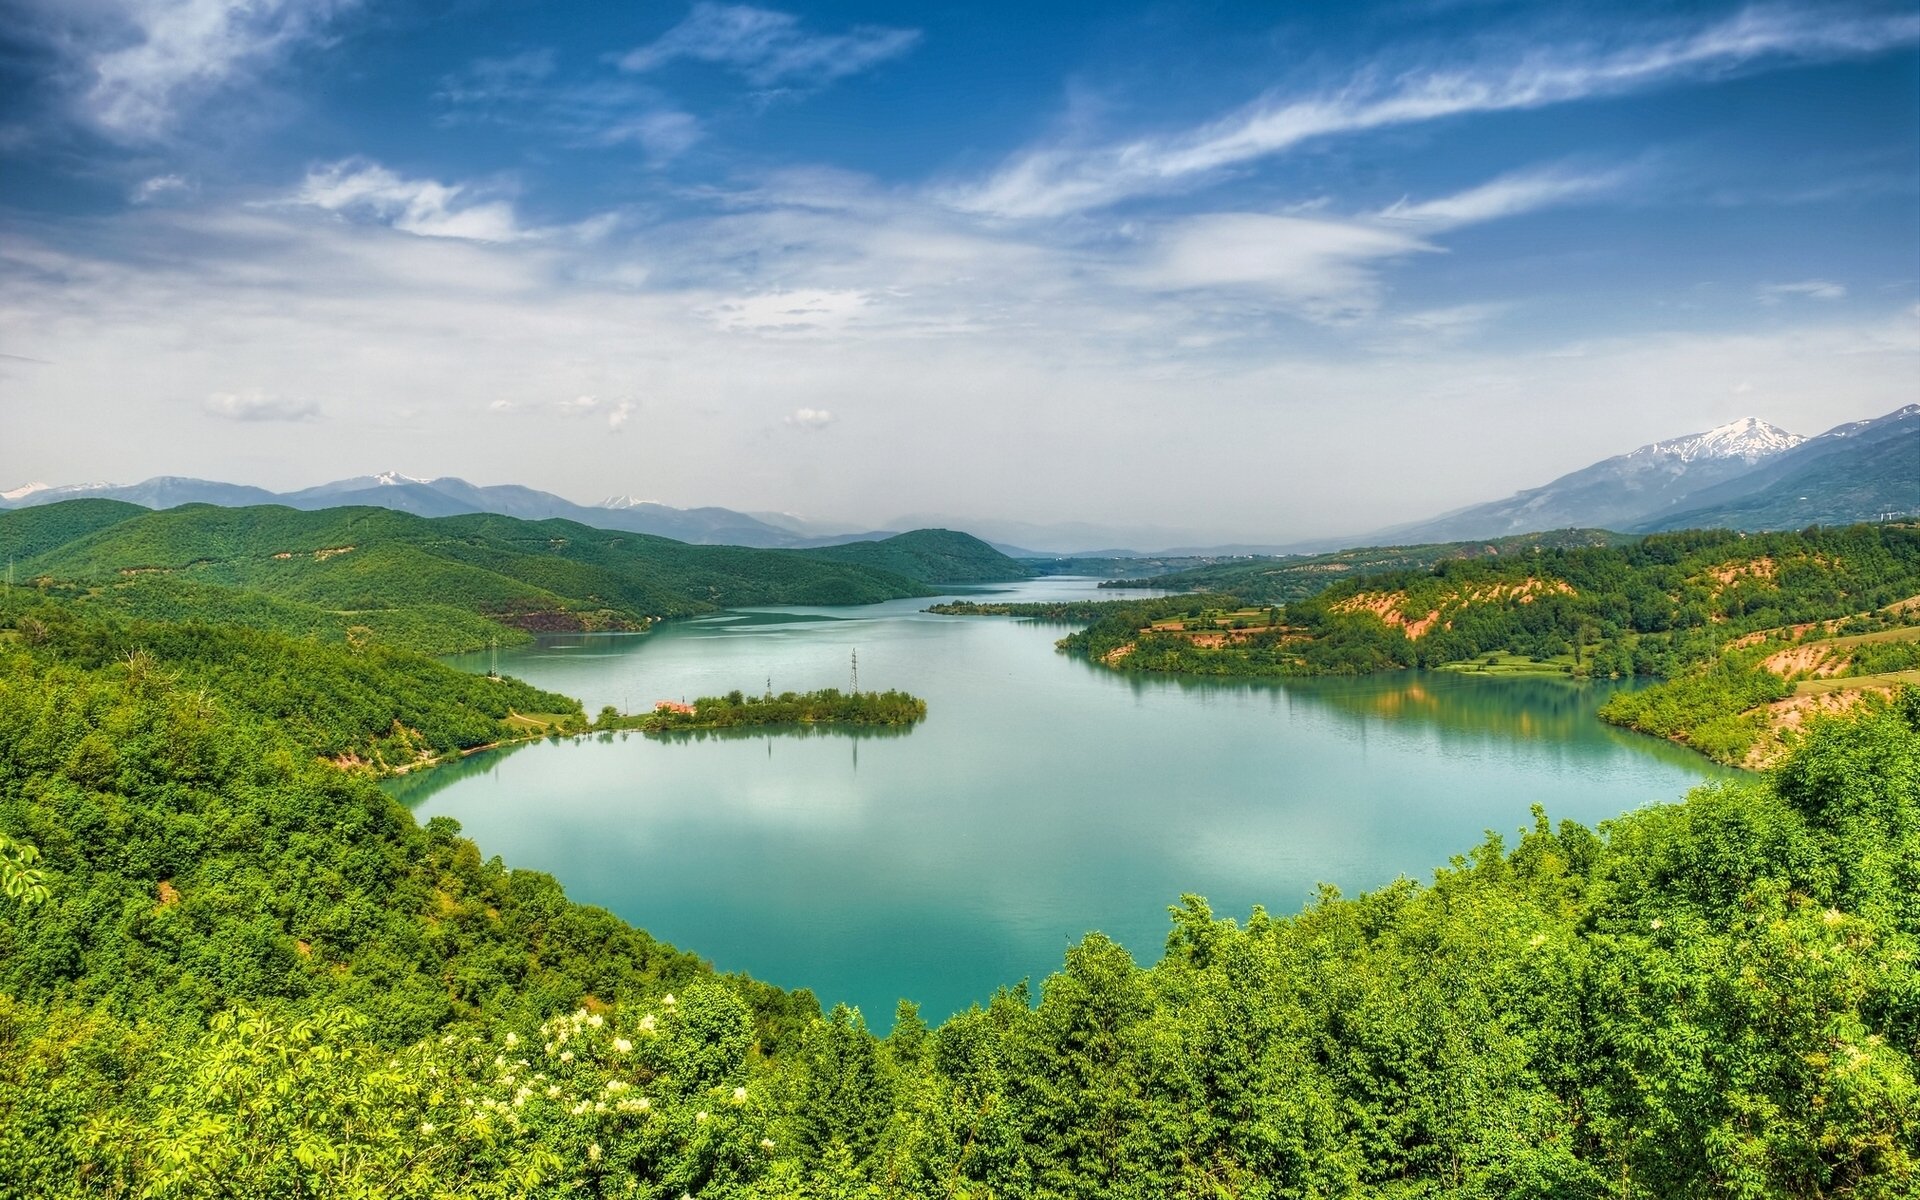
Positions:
{"x": 30, "y": 531}
{"x": 930, "y": 556}
{"x": 1279, "y": 580}
{"x": 425, "y": 581}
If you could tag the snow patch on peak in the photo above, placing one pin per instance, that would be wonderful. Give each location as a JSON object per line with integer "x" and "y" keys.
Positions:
{"x": 627, "y": 502}
{"x": 394, "y": 479}
{"x": 1749, "y": 439}
{"x": 24, "y": 491}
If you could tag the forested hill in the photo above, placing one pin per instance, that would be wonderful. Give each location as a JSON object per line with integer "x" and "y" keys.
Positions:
{"x": 230, "y": 969}
{"x": 431, "y": 584}
{"x": 30, "y": 532}
{"x": 930, "y": 556}
{"x": 1278, "y": 580}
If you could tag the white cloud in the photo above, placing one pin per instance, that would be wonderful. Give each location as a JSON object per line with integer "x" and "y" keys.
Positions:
{"x": 259, "y": 406}
{"x": 1327, "y": 268}
{"x": 356, "y": 187}
{"x": 618, "y": 415}
{"x": 1806, "y": 289}
{"x": 167, "y": 54}
{"x": 190, "y": 300}
{"x": 770, "y": 48}
{"x": 149, "y": 191}
{"x": 1055, "y": 181}
{"x": 809, "y": 418}
{"x": 1319, "y": 268}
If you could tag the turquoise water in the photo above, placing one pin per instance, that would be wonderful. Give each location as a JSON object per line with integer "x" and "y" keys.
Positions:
{"x": 1042, "y": 797}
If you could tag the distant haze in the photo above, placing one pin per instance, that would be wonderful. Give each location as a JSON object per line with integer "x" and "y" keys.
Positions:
{"x": 1240, "y": 274}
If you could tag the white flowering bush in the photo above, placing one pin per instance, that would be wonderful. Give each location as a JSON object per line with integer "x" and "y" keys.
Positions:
{"x": 649, "y": 1102}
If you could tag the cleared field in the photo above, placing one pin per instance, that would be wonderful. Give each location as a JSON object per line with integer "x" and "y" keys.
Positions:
{"x": 1856, "y": 683}
{"x": 1512, "y": 664}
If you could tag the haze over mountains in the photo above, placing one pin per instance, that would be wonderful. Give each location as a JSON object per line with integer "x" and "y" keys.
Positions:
{"x": 451, "y": 497}
{"x": 1747, "y": 474}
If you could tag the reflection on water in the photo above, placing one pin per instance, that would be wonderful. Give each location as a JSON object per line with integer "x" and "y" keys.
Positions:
{"x": 1461, "y": 710}
{"x": 1041, "y": 798}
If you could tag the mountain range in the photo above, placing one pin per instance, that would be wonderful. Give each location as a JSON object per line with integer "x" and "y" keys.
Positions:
{"x": 1747, "y": 474}
{"x": 452, "y": 497}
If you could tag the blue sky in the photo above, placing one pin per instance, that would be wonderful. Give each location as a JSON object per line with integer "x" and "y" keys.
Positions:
{"x": 1233, "y": 270}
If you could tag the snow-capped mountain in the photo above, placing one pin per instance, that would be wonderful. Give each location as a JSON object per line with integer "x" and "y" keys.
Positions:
{"x": 1623, "y": 492}
{"x": 1860, "y": 471}
{"x": 1749, "y": 439}
{"x": 41, "y": 493}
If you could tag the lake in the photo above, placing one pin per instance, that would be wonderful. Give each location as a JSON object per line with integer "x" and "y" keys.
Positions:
{"x": 1042, "y": 797}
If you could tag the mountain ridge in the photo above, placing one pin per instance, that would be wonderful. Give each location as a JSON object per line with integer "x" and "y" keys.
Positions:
{"x": 1685, "y": 481}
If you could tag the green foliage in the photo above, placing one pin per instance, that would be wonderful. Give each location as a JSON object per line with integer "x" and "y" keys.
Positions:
{"x": 930, "y": 556}
{"x": 27, "y": 532}
{"x": 426, "y": 628}
{"x": 1707, "y": 708}
{"x": 197, "y": 851}
{"x": 20, "y": 881}
{"x": 1671, "y": 606}
{"x": 370, "y": 704}
{"x": 254, "y": 974}
{"x": 829, "y": 706}
{"x": 1266, "y": 580}
{"x": 397, "y": 575}
{"x": 1877, "y": 658}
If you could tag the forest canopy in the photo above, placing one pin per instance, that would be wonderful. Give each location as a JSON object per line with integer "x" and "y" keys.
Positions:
{"x": 242, "y": 970}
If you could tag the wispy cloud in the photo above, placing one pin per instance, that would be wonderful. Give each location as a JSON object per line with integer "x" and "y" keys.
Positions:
{"x": 486, "y": 80}
{"x": 1052, "y": 181}
{"x": 259, "y": 406}
{"x": 770, "y": 48}
{"x": 163, "y": 55}
{"x": 522, "y": 92}
{"x": 662, "y": 132}
{"x": 1508, "y": 196}
{"x": 617, "y": 412}
{"x": 812, "y": 419}
{"x": 1806, "y": 289}
{"x": 357, "y": 187}
{"x": 790, "y": 312}
{"x": 1327, "y": 268}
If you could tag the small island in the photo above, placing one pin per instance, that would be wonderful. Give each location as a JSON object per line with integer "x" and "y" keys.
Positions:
{"x": 736, "y": 710}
